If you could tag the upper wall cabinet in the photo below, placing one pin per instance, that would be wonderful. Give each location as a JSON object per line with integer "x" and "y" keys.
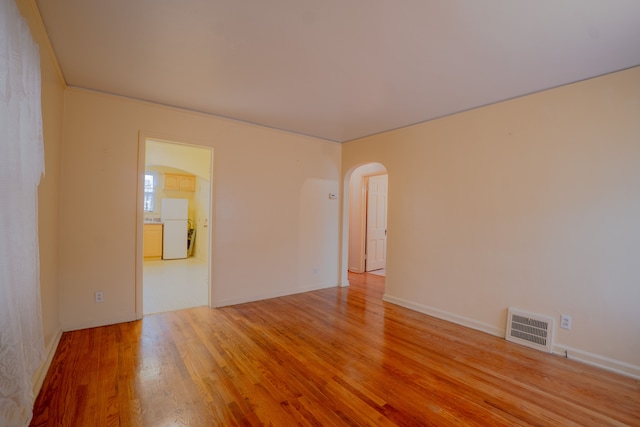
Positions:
{"x": 174, "y": 181}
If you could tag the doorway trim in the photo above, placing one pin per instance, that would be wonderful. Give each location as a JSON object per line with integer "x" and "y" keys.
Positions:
{"x": 143, "y": 136}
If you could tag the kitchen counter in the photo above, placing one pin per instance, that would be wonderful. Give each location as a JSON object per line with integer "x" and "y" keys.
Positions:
{"x": 152, "y": 240}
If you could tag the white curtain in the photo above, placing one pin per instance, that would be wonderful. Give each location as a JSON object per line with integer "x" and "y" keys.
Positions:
{"x": 21, "y": 166}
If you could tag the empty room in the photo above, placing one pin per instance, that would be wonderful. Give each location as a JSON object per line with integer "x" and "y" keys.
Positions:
{"x": 494, "y": 281}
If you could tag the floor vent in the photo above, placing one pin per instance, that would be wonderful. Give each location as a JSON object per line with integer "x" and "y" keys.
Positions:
{"x": 529, "y": 329}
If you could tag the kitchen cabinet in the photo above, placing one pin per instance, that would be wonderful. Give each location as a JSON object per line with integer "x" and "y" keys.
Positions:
{"x": 152, "y": 241}
{"x": 178, "y": 182}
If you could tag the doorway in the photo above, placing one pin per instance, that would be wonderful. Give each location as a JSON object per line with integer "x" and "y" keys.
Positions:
{"x": 176, "y": 204}
{"x": 367, "y": 237}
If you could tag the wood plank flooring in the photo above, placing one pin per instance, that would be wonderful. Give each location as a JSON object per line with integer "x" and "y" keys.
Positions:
{"x": 338, "y": 356}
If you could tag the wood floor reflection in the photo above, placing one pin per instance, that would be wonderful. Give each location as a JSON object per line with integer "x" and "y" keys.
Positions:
{"x": 338, "y": 356}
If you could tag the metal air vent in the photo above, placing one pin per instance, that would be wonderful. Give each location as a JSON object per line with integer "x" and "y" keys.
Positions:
{"x": 530, "y": 329}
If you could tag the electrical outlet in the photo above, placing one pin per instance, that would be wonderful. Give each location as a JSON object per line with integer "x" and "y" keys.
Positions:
{"x": 565, "y": 321}
{"x": 315, "y": 271}
{"x": 99, "y": 296}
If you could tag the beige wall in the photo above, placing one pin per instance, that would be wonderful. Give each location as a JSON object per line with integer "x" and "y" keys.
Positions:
{"x": 49, "y": 190}
{"x": 273, "y": 220}
{"x": 532, "y": 203}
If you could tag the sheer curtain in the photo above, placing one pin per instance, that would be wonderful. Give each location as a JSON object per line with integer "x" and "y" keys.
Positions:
{"x": 21, "y": 166}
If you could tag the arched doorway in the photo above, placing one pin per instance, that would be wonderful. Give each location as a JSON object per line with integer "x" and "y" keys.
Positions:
{"x": 366, "y": 219}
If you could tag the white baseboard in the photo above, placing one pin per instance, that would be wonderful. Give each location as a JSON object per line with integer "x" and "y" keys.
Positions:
{"x": 41, "y": 372}
{"x": 602, "y": 362}
{"x": 94, "y": 323}
{"x": 234, "y": 301}
{"x": 596, "y": 360}
{"x": 440, "y": 314}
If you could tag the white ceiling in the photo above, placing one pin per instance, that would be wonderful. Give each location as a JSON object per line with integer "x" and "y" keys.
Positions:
{"x": 337, "y": 69}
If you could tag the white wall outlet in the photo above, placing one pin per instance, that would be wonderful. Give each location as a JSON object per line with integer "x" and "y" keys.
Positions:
{"x": 99, "y": 296}
{"x": 565, "y": 321}
{"x": 315, "y": 271}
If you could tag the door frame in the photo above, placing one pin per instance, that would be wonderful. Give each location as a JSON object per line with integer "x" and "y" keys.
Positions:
{"x": 143, "y": 136}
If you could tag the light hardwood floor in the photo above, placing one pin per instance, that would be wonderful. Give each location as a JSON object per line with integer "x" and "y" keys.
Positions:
{"x": 337, "y": 356}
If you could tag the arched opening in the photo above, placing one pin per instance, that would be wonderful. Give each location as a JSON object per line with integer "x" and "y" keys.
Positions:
{"x": 365, "y": 220}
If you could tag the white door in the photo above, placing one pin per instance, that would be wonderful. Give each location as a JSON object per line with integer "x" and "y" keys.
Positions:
{"x": 376, "y": 222}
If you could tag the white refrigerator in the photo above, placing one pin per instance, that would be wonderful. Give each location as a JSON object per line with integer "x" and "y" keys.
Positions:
{"x": 175, "y": 213}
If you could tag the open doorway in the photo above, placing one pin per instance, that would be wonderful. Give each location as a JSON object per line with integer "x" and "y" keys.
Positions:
{"x": 176, "y": 232}
{"x": 367, "y": 246}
